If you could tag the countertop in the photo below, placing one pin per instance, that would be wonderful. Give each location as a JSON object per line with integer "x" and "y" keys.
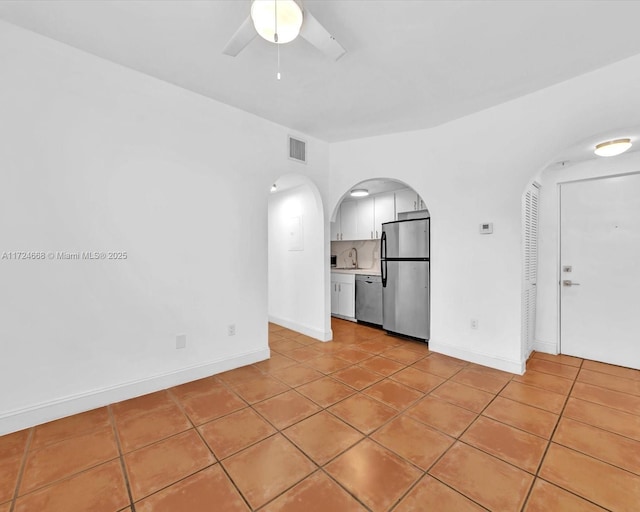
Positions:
{"x": 357, "y": 271}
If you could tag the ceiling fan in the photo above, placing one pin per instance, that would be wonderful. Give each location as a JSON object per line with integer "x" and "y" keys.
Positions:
{"x": 281, "y": 21}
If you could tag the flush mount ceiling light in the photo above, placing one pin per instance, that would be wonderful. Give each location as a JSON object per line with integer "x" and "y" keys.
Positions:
{"x": 612, "y": 147}
{"x": 359, "y": 192}
{"x": 277, "y": 21}
{"x": 273, "y": 188}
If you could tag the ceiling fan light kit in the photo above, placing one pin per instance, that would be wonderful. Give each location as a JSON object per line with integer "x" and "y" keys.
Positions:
{"x": 288, "y": 19}
{"x": 281, "y": 17}
{"x": 613, "y": 147}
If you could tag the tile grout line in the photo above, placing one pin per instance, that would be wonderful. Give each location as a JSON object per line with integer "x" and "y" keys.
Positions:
{"x": 455, "y": 439}
{"x": 569, "y": 492}
{"x": 366, "y": 436}
{"x": 23, "y": 466}
{"x": 610, "y": 389}
{"x": 585, "y": 422}
{"x": 184, "y": 477}
{"x": 559, "y": 416}
{"x": 112, "y": 421}
{"x": 217, "y": 460}
{"x": 278, "y": 431}
{"x": 319, "y": 468}
{"x": 478, "y": 415}
{"x": 549, "y": 441}
{"x": 546, "y": 450}
{"x": 325, "y": 472}
{"x": 398, "y": 413}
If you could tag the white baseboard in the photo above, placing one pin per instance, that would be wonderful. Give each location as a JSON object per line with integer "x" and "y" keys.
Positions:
{"x": 347, "y": 318}
{"x": 302, "y": 328}
{"x": 19, "y": 419}
{"x": 547, "y": 347}
{"x": 492, "y": 361}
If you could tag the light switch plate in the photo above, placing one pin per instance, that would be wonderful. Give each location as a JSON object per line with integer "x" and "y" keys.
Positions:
{"x": 486, "y": 228}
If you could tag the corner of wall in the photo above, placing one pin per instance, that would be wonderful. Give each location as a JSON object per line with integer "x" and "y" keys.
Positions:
{"x": 492, "y": 361}
{"x": 302, "y": 328}
{"x": 546, "y": 347}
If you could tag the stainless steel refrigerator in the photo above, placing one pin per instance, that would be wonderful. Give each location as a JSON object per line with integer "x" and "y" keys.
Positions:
{"x": 404, "y": 261}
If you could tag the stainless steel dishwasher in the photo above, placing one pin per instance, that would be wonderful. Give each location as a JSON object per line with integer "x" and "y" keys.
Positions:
{"x": 369, "y": 299}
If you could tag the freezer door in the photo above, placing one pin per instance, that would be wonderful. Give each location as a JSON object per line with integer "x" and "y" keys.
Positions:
{"x": 407, "y": 239}
{"x": 405, "y": 299}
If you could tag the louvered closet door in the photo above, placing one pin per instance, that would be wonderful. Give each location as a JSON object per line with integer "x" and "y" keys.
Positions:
{"x": 530, "y": 271}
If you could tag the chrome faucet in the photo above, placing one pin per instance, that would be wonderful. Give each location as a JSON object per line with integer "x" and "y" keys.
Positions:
{"x": 354, "y": 260}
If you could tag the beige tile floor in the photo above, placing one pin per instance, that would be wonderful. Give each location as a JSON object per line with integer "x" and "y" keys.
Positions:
{"x": 367, "y": 422}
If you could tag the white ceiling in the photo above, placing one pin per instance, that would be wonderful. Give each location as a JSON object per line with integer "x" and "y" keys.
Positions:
{"x": 410, "y": 64}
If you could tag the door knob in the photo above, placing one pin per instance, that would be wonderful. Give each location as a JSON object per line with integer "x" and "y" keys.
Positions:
{"x": 568, "y": 282}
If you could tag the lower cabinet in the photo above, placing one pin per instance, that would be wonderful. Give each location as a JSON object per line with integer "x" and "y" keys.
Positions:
{"x": 343, "y": 295}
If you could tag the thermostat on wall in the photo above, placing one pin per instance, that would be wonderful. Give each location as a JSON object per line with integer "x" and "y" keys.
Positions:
{"x": 486, "y": 228}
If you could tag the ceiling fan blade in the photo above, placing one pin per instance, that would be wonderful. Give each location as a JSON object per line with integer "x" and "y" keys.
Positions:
{"x": 318, "y": 36}
{"x": 243, "y": 36}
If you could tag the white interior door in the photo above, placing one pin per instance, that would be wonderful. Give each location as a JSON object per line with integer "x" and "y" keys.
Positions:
{"x": 600, "y": 269}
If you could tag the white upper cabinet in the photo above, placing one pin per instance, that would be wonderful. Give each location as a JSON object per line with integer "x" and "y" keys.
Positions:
{"x": 336, "y": 227}
{"x": 407, "y": 200}
{"x": 365, "y": 218}
{"x": 349, "y": 220}
{"x": 362, "y": 219}
{"x": 384, "y": 211}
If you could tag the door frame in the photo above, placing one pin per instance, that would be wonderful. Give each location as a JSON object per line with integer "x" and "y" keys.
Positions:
{"x": 559, "y": 247}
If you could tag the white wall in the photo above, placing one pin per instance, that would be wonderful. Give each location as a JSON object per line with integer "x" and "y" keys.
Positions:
{"x": 96, "y": 157}
{"x": 297, "y": 277}
{"x": 474, "y": 170}
{"x": 547, "y": 317}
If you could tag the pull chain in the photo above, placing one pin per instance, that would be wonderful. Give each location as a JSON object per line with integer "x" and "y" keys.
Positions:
{"x": 275, "y": 38}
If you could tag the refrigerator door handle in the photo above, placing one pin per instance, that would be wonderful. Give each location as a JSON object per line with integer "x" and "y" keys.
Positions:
{"x": 383, "y": 245}
{"x": 383, "y": 272}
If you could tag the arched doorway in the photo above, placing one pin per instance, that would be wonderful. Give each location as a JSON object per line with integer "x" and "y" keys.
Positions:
{"x": 297, "y": 257}
{"x": 358, "y": 257}
{"x": 574, "y": 165}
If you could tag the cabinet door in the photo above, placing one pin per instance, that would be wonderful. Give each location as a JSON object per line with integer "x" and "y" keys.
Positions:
{"x": 335, "y": 227}
{"x": 384, "y": 211}
{"x": 406, "y": 201}
{"x": 349, "y": 220}
{"x": 347, "y": 300}
{"x": 335, "y": 298}
{"x": 365, "y": 219}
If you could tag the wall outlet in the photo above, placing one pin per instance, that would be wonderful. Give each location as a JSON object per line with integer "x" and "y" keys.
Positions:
{"x": 231, "y": 330}
{"x": 474, "y": 323}
{"x": 181, "y": 340}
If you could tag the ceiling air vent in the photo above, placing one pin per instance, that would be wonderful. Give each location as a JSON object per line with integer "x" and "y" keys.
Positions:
{"x": 298, "y": 150}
